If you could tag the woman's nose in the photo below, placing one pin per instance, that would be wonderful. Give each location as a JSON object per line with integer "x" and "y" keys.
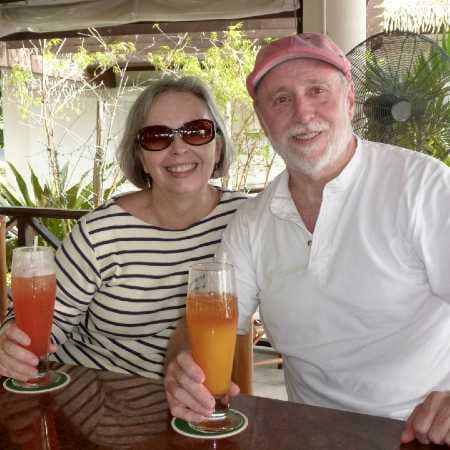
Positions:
{"x": 178, "y": 146}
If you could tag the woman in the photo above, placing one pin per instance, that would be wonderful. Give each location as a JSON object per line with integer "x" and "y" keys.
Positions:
{"x": 122, "y": 272}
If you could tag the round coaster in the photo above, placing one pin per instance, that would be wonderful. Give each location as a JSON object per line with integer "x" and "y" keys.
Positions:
{"x": 61, "y": 380}
{"x": 184, "y": 428}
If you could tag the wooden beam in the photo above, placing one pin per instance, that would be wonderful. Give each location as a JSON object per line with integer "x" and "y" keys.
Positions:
{"x": 243, "y": 363}
{"x": 99, "y": 76}
{"x": 3, "y": 287}
{"x": 26, "y": 212}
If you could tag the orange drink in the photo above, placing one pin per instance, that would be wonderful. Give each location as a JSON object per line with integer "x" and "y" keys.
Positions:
{"x": 211, "y": 314}
{"x": 212, "y": 326}
{"x": 34, "y": 301}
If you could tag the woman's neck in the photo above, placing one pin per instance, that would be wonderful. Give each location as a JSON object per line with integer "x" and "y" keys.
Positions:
{"x": 175, "y": 211}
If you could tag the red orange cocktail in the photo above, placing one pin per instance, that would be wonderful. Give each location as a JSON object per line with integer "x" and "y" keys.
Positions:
{"x": 33, "y": 290}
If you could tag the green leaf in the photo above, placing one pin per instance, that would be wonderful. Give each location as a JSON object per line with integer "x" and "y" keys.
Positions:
{"x": 22, "y": 185}
{"x": 37, "y": 188}
{"x": 8, "y": 196}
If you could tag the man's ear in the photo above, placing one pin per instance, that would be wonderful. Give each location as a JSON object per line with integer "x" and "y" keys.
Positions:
{"x": 351, "y": 100}
{"x": 260, "y": 117}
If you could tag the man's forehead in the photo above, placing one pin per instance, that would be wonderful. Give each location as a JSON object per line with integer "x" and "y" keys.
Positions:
{"x": 299, "y": 71}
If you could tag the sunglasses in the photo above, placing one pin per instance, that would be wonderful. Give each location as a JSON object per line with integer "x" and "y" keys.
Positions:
{"x": 158, "y": 137}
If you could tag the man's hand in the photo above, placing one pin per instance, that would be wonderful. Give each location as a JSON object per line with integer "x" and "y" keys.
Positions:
{"x": 186, "y": 394}
{"x": 430, "y": 421}
{"x": 15, "y": 360}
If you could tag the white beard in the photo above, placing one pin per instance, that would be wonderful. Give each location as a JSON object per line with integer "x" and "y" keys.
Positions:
{"x": 339, "y": 137}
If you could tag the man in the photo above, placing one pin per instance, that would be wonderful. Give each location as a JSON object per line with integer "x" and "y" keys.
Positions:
{"x": 346, "y": 254}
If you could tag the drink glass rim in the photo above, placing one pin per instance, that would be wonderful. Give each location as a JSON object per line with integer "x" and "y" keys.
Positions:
{"x": 212, "y": 266}
{"x": 35, "y": 248}
{"x": 33, "y": 261}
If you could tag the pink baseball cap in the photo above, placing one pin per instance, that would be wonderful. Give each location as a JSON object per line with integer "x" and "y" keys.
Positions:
{"x": 305, "y": 45}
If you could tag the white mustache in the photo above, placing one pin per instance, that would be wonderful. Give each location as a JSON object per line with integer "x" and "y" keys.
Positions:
{"x": 308, "y": 128}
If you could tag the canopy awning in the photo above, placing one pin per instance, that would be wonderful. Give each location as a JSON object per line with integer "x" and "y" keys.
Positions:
{"x": 41, "y": 16}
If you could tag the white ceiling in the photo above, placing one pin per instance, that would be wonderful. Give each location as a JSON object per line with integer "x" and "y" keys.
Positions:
{"x": 61, "y": 15}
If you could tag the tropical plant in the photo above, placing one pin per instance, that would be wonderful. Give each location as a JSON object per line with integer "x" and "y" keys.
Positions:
{"x": 34, "y": 194}
{"x": 65, "y": 79}
{"x": 41, "y": 196}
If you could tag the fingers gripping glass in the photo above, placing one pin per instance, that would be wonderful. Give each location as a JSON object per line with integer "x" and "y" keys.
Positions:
{"x": 158, "y": 137}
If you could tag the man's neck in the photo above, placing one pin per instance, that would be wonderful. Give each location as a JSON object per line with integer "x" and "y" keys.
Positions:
{"x": 307, "y": 189}
{"x": 307, "y": 197}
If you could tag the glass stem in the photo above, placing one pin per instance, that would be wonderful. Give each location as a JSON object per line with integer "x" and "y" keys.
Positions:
{"x": 221, "y": 407}
{"x": 43, "y": 365}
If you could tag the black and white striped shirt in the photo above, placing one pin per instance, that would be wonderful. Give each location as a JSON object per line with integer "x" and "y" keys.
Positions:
{"x": 121, "y": 286}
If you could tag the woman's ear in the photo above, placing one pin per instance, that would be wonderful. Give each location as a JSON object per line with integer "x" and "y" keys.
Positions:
{"x": 140, "y": 158}
{"x": 217, "y": 154}
{"x": 219, "y": 147}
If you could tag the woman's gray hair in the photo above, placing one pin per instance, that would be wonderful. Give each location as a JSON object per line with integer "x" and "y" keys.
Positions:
{"x": 128, "y": 150}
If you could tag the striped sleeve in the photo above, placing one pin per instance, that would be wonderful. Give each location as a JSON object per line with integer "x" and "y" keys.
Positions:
{"x": 78, "y": 279}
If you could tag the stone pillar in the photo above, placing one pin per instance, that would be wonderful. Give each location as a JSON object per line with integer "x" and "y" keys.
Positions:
{"x": 343, "y": 21}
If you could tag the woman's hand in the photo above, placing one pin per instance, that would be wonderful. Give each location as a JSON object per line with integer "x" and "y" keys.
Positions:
{"x": 15, "y": 360}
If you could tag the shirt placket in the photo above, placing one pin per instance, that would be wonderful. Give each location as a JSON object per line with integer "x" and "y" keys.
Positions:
{"x": 323, "y": 237}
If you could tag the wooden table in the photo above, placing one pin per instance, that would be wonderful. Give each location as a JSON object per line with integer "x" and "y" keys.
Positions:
{"x": 103, "y": 411}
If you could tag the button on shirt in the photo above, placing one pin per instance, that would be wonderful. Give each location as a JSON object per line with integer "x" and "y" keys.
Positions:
{"x": 361, "y": 315}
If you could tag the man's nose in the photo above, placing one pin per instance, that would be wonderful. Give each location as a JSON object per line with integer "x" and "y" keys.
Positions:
{"x": 304, "y": 110}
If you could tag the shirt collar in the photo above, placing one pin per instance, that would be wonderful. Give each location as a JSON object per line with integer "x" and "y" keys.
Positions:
{"x": 346, "y": 178}
{"x": 282, "y": 204}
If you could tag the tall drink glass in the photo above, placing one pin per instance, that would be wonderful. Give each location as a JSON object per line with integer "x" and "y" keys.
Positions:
{"x": 212, "y": 324}
{"x": 34, "y": 291}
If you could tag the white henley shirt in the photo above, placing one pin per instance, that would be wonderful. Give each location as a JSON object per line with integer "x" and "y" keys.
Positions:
{"x": 360, "y": 310}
